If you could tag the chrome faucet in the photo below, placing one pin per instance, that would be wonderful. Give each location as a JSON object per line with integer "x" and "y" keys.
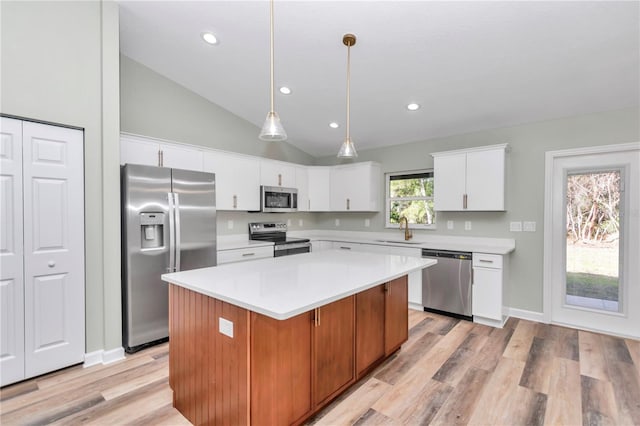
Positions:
{"x": 407, "y": 233}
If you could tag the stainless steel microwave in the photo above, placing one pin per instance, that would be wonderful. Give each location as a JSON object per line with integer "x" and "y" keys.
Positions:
{"x": 275, "y": 199}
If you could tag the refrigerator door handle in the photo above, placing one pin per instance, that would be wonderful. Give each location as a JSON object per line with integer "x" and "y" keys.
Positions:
{"x": 172, "y": 234}
{"x": 177, "y": 242}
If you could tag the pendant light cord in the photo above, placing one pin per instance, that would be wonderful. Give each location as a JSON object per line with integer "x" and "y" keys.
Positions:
{"x": 271, "y": 42}
{"x": 348, "y": 85}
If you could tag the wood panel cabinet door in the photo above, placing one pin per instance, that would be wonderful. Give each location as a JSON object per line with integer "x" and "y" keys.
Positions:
{"x": 333, "y": 343}
{"x": 280, "y": 369}
{"x": 370, "y": 320}
{"x": 396, "y": 327}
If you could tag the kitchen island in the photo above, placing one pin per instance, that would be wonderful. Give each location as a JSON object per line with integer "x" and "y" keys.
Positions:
{"x": 274, "y": 340}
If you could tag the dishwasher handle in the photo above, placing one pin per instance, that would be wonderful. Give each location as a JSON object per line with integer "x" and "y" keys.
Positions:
{"x": 446, "y": 254}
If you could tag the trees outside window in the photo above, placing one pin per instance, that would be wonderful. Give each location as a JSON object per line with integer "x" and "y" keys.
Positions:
{"x": 410, "y": 194}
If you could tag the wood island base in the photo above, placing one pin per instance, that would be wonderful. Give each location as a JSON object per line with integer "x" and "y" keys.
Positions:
{"x": 231, "y": 366}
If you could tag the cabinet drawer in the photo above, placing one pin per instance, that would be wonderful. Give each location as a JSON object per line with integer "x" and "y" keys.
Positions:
{"x": 484, "y": 260}
{"x": 241, "y": 255}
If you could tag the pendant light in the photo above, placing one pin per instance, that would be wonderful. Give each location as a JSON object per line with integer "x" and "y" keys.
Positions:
{"x": 348, "y": 149}
{"x": 272, "y": 129}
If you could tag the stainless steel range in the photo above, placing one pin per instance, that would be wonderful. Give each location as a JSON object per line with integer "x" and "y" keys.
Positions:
{"x": 277, "y": 233}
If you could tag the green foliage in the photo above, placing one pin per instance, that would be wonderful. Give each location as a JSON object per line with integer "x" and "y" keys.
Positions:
{"x": 417, "y": 211}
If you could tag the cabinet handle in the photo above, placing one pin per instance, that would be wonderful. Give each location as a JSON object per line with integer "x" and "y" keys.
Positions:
{"x": 51, "y": 264}
{"x": 485, "y": 261}
{"x": 316, "y": 317}
{"x": 386, "y": 288}
{"x": 309, "y": 203}
{"x": 159, "y": 158}
{"x": 464, "y": 201}
{"x": 345, "y": 248}
{"x": 235, "y": 201}
{"x": 248, "y": 254}
{"x": 279, "y": 180}
{"x": 348, "y": 204}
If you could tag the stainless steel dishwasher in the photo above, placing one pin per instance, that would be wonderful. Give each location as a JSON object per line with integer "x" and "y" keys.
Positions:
{"x": 446, "y": 286}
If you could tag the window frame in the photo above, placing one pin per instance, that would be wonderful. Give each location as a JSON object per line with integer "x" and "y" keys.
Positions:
{"x": 388, "y": 199}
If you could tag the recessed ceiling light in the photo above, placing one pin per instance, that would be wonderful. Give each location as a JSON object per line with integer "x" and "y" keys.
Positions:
{"x": 334, "y": 125}
{"x": 285, "y": 90}
{"x": 413, "y": 107}
{"x": 210, "y": 38}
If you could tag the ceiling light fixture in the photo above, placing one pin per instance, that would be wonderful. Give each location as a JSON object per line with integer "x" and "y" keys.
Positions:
{"x": 210, "y": 38}
{"x": 348, "y": 149}
{"x": 272, "y": 130}
{"x": 334, "y": 125}
{"x": 285, "y": 90}
{"x": 413, "y": 107}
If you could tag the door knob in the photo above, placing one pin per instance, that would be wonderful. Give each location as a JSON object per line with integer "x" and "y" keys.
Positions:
{"x": 51, "y": 264}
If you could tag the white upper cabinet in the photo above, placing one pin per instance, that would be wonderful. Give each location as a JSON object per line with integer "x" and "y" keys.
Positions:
{"x": 151, "y": 152}
{"x": 277, "y": 173}
{"x": 302, "y": 184}
{"x": 470, "y": 179}
{"x": 318, "y": 198}
{"x": 356, "y": 187}
{"x": 237, "y": 180}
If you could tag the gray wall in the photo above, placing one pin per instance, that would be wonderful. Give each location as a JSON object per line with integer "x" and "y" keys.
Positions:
{"x": 153, "y": 105}
{"x": 524, "y": 186}
{"x": 59, "y": 64}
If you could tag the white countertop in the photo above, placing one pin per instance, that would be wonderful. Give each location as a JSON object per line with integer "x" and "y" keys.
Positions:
{"x": 284, "y": 287}
{"x": 234, "y": 242}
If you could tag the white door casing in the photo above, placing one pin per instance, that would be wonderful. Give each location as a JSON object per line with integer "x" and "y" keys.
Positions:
{"x": 626, "y": 158}
{"x": 53, "y": 247}
{"x": 11, "y": 253}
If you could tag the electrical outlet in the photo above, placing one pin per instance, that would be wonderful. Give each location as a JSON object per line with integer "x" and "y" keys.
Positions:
{"x": 367, "y": 223}
{"x": 337, "y": 222}
{"x": 288, "y": 222}
{"x": 529, "y": 226}
{"x": 225, "y": 327}
{"x": 300, "y": 223}
{"x": 449, "y": 224}
{"x": 467, "y": 225}
{"x": 229, "y": 224}
{"x": 515, "y": 226}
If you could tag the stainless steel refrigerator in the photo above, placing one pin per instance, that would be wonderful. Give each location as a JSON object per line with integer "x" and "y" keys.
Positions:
{"x": 168, "y": 225}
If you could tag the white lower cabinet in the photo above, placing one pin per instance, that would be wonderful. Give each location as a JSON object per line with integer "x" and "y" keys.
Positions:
{"x": 42, "y": 249}
{"x": 244, "y": 254}
{"x": 488, "y": 291}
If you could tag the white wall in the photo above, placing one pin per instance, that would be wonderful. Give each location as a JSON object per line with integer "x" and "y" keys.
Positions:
{"x": 58, "y": 62}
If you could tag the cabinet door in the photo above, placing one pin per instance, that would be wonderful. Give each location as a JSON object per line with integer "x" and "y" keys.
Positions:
{"x": 135, "y": 151}
{"x": 487, "y": 293}
{"x": 333, "y": 337}
{"x": 449, "y": 181}
{"x": 370, "y": 320}
{"x": 302, "y": 184}
{"x": 277, "y": 173}
{"x": 280, "y": 369}
{"x": 396, "y": 326}
{"x": 181, "y": 157}
{"x": 53, "y": 247}
{"x": 237, "y": 181}
{"x": 11, "y": 253}
{"x": 340, "y": 189}
{"x": 485, "y": 180}
{"x": 319, "y": 189}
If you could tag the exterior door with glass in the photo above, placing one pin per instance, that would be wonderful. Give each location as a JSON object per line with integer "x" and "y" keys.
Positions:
{"x": 592, "y": 233}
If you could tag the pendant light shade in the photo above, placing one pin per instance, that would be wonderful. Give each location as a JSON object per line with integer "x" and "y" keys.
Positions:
{"x": 348, "y": 149}
{"x": 272, "y": 129}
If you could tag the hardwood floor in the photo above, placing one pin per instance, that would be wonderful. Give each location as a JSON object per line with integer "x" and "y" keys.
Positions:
{"x": 450, "y": 372}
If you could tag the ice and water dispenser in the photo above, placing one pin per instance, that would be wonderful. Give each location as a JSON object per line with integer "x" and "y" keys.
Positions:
{"x": 152, "y": 230}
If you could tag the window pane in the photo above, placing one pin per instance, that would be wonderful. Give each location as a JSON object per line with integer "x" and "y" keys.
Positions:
{"x": 418, "y": 212}
{"x": 408, "y": 186}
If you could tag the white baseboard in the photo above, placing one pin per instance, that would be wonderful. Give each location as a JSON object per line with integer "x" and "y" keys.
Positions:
{"x": 527, "y": 315}
{"x": 103, "y": 357}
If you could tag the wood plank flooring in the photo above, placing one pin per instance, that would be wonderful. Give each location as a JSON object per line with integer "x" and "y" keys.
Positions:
{"x": 450, "y": 372}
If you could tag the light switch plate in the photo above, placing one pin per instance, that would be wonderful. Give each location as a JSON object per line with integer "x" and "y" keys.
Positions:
{"x": 337, "y": 222}
{"x": 515, "y": 226}
{"x": 529, "y": 226}
{"x": 229, "y": 224}
{"x": 367, "y": 223}
{"x": 225, "y": 327}
{"x": 300, "y": 223}
{"x": 449, "y": 224}
{"x": 288, "y": 222}
{"x": 467, "y": 225}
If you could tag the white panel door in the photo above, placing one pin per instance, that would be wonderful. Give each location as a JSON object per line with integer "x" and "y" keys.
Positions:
{"x": 302, "y": 184}
{"x": 53, "y": 247}
{"x": 237, "y": 180}
{"x": 181, "y": 157}
{"x": 277, "y": 173}
{"x": 485, "y": 180}
{"x": 319, "y": 189}
{"x": 11, "y": 253}
{"x": 135, "y": 151}
{"x": 449, "y": 173}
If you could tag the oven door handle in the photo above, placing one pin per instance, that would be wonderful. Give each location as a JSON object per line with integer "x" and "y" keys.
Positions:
{"x": 279, "y": 247}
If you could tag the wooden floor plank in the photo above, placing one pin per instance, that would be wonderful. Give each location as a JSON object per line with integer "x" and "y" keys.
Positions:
{"x": 520, "y": 342}
{"x": 406, "y": 359}
{"x": 539, "y": 366}
{"x": 598, "y": 402}
{"x": 456, "y": 366}
{"x": 352, "y": 408}
{"x": 634, "y": 350}
{"x": 564, "y": 405}
{"x": 462, "y": 402}
{"x": 592, "y": 361}
{"x": 494, "y": 347}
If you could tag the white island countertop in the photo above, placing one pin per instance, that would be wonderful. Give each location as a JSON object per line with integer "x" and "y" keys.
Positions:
{"x": 284, "y": 287}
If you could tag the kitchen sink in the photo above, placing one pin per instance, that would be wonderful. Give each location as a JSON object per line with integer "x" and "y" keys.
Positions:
{"x": 398, "y": 242}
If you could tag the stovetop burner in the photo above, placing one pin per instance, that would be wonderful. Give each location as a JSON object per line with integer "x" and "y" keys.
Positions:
{"x": 272, "y": 231}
